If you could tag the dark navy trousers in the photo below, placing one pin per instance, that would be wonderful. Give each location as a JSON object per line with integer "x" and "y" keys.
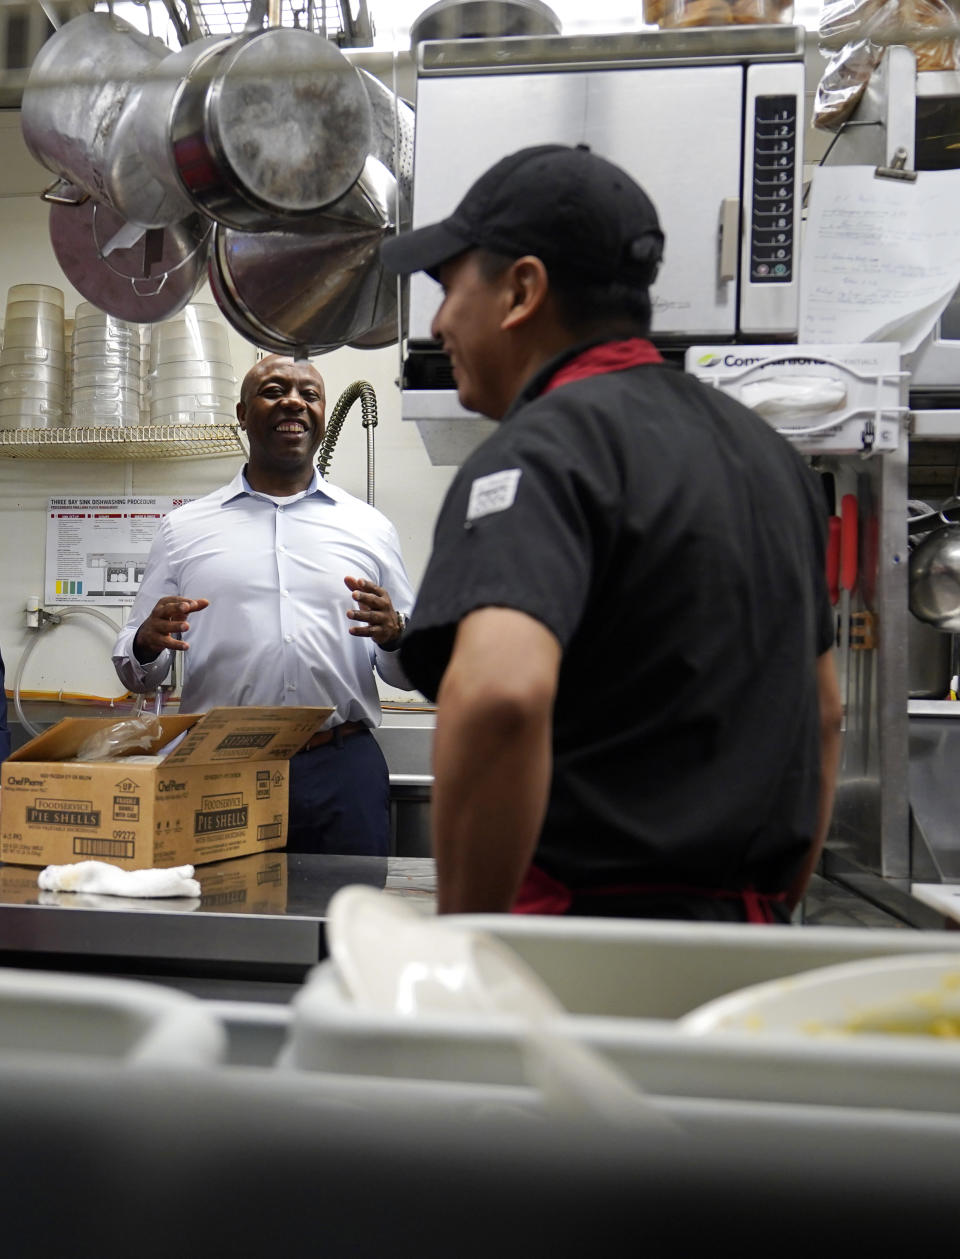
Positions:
{"x": 340, "y": 798}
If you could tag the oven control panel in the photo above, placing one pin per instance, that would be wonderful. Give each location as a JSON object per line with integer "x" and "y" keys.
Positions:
{"x": 774, "y": 180}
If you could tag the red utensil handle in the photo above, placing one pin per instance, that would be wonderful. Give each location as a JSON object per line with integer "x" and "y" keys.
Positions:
{"x": 848, "y": 542}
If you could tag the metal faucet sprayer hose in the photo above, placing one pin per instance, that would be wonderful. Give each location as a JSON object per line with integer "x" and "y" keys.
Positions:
{"x": 363, "y": 390}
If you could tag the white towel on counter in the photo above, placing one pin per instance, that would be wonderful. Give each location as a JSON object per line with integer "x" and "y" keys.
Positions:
{"x": 89, "y": 900}
{"x": 108, "y": 880}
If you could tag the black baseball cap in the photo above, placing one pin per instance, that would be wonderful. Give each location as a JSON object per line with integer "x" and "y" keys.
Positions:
{"x": 577, "y": 212}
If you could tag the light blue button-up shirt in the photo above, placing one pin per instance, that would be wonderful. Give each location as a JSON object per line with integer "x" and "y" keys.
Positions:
{"x": 276, "y": 631}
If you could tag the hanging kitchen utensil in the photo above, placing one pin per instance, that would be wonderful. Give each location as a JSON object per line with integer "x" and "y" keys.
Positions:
{"x": 75, "y": 95}
{"x": 934, "y": 579}
{"x": 269, "y": 126}
{"x": 139, "y": 275}
{"x": 313, "y": 289}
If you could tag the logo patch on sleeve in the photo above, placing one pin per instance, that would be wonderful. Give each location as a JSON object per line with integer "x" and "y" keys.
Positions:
{"x": 492, "y": 493}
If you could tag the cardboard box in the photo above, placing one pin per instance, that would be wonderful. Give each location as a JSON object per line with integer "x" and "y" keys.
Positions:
{"x": 221, "y": 793}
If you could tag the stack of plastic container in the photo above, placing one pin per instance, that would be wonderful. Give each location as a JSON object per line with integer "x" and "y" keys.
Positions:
{"x": 106, "y": 370}
{"x": 190, "y": 378}
{"x": 68, "y": 374}
{"x": 32, "y": 361}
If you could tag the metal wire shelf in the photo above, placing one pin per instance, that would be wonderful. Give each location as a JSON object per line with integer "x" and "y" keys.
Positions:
{"x": 148, "y": 441}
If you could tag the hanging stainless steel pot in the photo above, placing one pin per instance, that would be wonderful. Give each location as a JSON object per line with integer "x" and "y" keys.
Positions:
{"x": 316, "y": 288}
{"x": 392, "y": 140}
{"x": 143, "y": 151}
{"x": 130, "y": 187}
{"x": 141, "y": 276}
{"x": 934, "y": 571}
{"x": 269, "y": 126}
{"x": 76, "y": 94}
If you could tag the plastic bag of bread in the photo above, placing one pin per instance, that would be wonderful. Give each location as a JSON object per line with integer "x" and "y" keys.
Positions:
{"x": 862, "y": 29}
{"x": 928, "y": 26}
{"x": 843, "y": 83}
{"x": 675, "y": 14}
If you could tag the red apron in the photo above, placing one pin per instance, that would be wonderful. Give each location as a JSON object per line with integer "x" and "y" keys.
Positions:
{"x": 540, "y": 893}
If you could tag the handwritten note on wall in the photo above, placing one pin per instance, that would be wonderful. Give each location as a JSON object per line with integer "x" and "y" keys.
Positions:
{"x": 880, "y": 258}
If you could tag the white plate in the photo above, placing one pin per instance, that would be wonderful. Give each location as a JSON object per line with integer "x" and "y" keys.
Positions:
{"x": 901, "y": 995}
{"x": 393, "y": 959}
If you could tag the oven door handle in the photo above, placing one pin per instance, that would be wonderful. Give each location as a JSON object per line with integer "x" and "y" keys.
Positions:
{"x": 728, "y": 239}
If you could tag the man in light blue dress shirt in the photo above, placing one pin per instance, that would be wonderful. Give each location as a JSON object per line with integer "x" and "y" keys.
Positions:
{"x": 262, "y": 568}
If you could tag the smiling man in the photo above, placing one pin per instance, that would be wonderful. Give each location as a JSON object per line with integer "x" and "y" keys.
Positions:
{"x": 625, "y": 619}
{"x": 251, "y": 583}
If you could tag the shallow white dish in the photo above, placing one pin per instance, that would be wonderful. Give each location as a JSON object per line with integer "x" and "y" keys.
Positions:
{"x": 913, "y": 996}
{"x": 392, "y": 959}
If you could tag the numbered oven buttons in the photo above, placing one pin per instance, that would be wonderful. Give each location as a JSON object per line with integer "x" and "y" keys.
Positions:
{"x": 774, "y": 180}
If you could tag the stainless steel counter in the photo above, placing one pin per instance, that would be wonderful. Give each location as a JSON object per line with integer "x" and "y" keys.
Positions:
{"x": 259, "y": 919}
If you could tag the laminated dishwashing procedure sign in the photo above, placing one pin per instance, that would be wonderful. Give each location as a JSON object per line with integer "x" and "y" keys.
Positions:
{"x": 96, "y": 548}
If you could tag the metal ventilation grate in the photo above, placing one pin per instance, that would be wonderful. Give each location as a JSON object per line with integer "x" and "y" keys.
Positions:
{"x": 343, "y": 22}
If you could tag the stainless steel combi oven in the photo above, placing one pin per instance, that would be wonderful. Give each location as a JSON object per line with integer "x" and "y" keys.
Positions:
{"x": 709, "y": 121}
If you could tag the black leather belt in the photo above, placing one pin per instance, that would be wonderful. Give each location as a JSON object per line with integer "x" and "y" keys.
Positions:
{"x": 344, "y": 730}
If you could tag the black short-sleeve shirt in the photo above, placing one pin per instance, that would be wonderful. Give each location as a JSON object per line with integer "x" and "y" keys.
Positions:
{"x": 674, "y": 544}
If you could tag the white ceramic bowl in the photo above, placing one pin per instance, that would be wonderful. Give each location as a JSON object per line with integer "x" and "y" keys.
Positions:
{"x": 916, "y": 994}
{"x": 392, "y": 959}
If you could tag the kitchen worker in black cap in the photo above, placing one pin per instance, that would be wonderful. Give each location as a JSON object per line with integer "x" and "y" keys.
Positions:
{"x": 625, "y": 620}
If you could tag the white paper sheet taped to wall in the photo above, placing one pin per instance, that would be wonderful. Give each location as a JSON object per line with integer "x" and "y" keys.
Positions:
{"x": 881, "y": 257}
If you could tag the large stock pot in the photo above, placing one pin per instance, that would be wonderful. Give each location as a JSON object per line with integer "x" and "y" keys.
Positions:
{"x": 316, "y": 288}
{"x": 76, "y": 115}
{"x": 269, "y": 126}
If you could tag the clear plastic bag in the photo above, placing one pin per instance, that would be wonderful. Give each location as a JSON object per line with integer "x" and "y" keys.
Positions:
{"x": 843, "y": 83}
{"x": 138, "y": 734}
{"x": 857, "y": 31}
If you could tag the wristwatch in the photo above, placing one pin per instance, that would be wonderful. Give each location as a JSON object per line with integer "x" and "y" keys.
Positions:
{"x": 395, "y": 642}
